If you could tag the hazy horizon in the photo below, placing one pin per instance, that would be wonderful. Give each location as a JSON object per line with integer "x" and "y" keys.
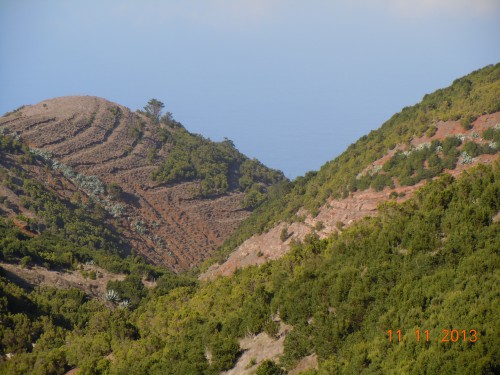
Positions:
{"x": 291, "y": 83}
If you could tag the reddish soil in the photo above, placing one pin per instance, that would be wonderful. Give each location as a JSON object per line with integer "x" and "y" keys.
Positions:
{"x": 444, "y": 129}
{"x": 95, "y": 137}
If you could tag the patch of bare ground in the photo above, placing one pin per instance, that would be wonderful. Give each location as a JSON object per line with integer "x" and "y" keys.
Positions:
{"x": 340, "y": 213}
{"x": 258, "y": 249}
{"x": 333, "y": 216}
{"x": 257, "y": 349}
{"x": 40, "y": 276}
{"x": 444, "y": 129}
{"x": 306, "y": 363}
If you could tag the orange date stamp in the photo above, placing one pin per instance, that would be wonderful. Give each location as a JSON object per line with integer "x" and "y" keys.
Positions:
{"x": 446, "y": 335}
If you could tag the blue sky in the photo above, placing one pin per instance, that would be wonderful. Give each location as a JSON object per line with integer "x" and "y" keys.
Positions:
{"x": 292, "y": 82}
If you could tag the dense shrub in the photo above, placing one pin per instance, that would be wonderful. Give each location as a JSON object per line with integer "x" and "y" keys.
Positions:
{"x": 217, "y": 166}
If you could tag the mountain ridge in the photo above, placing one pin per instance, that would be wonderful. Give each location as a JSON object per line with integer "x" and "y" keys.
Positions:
{"x": 336, "y": 214}
{"x": 166, "y": 222}
{"x": 463, "y": 102}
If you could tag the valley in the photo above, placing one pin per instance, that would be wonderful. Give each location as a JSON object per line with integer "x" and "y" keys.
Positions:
{"x": 129, "y": 245}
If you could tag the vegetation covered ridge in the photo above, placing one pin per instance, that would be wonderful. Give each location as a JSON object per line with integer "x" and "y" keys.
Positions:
{"x": 469, "y": 97}
{"x": 218, "y": 166}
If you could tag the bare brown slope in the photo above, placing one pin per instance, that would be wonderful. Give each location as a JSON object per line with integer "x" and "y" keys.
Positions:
{"x": 97, "y": 137}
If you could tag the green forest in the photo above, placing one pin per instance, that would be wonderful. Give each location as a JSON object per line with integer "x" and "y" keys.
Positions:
{"x": 218, "y": 167}
{"x": 430, "y": 263}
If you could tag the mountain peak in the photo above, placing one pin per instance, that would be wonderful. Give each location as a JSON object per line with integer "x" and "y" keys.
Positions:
{"x": 176, "y": 212}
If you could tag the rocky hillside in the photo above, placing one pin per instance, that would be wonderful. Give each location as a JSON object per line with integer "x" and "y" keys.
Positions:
{"x": 164, "y": 202}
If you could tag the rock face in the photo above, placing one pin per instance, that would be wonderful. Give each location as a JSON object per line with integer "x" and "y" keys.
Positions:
{"x": 95, "y": 137}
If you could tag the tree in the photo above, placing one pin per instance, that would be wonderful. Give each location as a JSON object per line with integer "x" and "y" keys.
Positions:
{"x": 284, "y": 234}
{"x": 153, "y": 109}
{"x": 269, "y": 367}
{"x": 115, "y": 191}
{"x": 254, "y": 198}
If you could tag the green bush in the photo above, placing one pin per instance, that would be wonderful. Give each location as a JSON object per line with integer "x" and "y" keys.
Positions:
{"x": 466, "y": 122}
{"x": 269, "y": 367}
{"x": 217, "y": 166}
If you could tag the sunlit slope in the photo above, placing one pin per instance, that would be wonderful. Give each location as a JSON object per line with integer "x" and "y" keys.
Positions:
{"x": 177, "y": 195}
{"x": 396, "y": 154}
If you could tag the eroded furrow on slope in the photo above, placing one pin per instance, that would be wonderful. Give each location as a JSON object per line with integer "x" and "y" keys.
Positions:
{"x": 117, "y": 143}
{"x": 27, "y": 126}
{"x": 71, "y": 129}
{"x": 103, "y": 165}
{"x": 83, "y": 130}
{"x": 102, "y": 134}
{"x": 177, "y": 231}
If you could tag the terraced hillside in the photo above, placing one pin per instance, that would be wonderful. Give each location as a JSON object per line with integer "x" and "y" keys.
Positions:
{"x": 168, "y": 223}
